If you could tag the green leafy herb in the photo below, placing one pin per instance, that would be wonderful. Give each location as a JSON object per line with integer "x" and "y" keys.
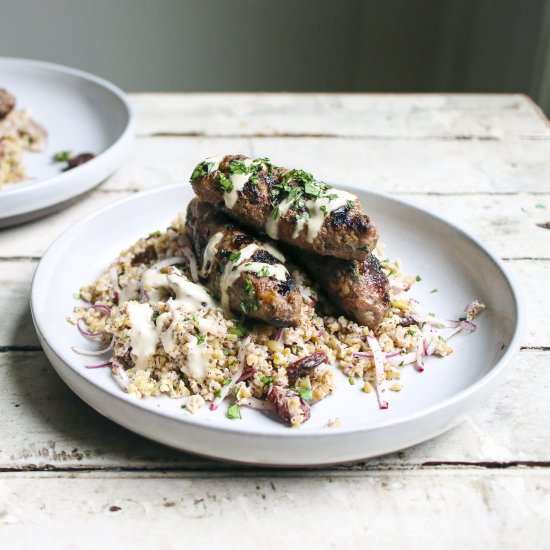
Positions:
{"x": 203, "y": 169}
{"x": 418, "y": 278}
{"x": 226, "y": 381}
{"x": 264, "y": 271}
{"x": 433, "y": 290}
{"x": 350, "y": 204}
{"x": 540, "y": 206}
{"x": 234, "y": 412}
{"x": 154, "y": 234}
{"x": 183, "y": 406}
{"x": 266, "y": 380}
{"x": 218, "y": 393}
{"x": 275, "y": 212}
{"x": 254, "y": 179}
{"x": 234, "y": 256}
{"x": 201, "y": 338}
{"x": 62, "y": 156}
{"x": 305, "y": 394}
{"x": 224, "y": 182}
{"x": 351, "y": 380}
{"x": 364, "y": 249}
{"x": 76, "y": 295}
{"x": 249, "y": 287}
{"x": 324, "y": 210}
{"x": 238, "y": 330}
{"x": 238, "y": 167}
{"x": 411, "y": 332}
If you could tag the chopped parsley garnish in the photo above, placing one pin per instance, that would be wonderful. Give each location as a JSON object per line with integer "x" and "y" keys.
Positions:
{"x": 201, "y": 338}
{"x": 234, "y": 412}
{"x": 249, "y": 287}
{"x": 234, "y": 256}
{"x": 262, "y": 164}
{"x": 264, "y": 272}
{"x": 305, "y": 394}
{"x": 350, "y": 204}
{"x": 254, "y": 179}
{"x": 154, "y": 234}
{"x": 226, "y": 381}
{"x": 351, "y": 380}
{"x": 249, "y": 307}
{"x": 62, "y": 156}
{"x": 76, "y": 295}
{"x": 238, "y": 330}
{"x": 324, "y": 210}
{"x": 364, "y": 249}
{"x": 540, "y": 206}
{"x": 266, "y": 380}
{"x": 225, "y": 183}
{"x": 411, "y": 332}
{"x": 238, "y": 167}
{"x": 218, "y": 393}
{"x": 418, "y": 278}
{"x": 275, "y": 212}
{"x": 183, "y": 406}
{"x": 203, "y": 169}
{"x": 433, "y": 290}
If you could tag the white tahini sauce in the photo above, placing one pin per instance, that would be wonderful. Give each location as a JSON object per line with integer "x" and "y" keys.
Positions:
{"x": 210, "y": 253}
{"x": 239, "y": 181}
{"x": 313, "y": 217}
{"x": 145, "y": 333}
{"x": 233, "y": 270}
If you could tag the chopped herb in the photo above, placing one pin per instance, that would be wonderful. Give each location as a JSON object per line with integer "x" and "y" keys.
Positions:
{"x": 234, "y": 256}
{"x": 249, "y": 307}
{"x": 296, "y": 348}
{"x": 226, "y": 381}
{"x": 154, "y": 234}
{"x": 238, "y": 167}
{"x": 201, "y": 338}
{"x": 203, "y": 169}
{"x": 218, "y": 393}
{"x": 234, "y": 412}
{"x": 324, "y": 210}
{"x": 305, "y": 394}
{"x": 364, "y": 249}
{"x": 225, "y": 351}
{"x": 183, "y": 406}
{"x": 238, "y": 330}
{"x": 433, "y": 290}
{"x": 254, "y": 179}
{"x": 76, "y": 296}
{"x": 266, "y": 380}
{"x": 418, "y": 278}
{"x": 225, "y": 183}
{"x": 431, "y": 313}
{"x": 332, "y": 197}
{"x": 275, "y": 212}
{"x": 264, "y": 272}
{"x": 62, "y": 156}
{"x": 350, "y": 204}
{"x": 540, "y": 206}
{"x": 411, "y": 332}
{"x": 249, "y": 287}
{"x": 351, "y": 380}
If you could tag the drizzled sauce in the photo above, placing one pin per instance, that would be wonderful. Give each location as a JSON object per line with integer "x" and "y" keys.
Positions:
{"x": 239, "y": 181}
{"x": 210, "y": 253}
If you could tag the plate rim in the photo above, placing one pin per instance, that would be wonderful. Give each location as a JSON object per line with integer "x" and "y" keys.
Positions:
{"x": 494, "y": 372}
{"x": 125, "y": 135}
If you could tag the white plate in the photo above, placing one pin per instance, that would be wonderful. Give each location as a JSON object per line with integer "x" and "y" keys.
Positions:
{"x": 430, "y": 402}
{"x": 82, "y": 113}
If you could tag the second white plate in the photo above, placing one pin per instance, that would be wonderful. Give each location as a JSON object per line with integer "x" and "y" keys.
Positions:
{"x": 447, "y": 259}
{"x": 81, "y": 113}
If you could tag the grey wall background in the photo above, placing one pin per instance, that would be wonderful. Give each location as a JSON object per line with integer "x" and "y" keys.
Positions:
{"x": 294, "y": 45}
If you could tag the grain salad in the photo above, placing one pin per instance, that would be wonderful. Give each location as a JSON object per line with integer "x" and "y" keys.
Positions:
{"x": 161, "y": 332}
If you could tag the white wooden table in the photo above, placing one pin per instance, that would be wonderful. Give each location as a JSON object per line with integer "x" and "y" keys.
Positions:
{"x": 483, "y": 161}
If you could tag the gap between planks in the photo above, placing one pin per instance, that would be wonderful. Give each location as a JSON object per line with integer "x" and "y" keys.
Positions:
{"x": 226, "y": 469}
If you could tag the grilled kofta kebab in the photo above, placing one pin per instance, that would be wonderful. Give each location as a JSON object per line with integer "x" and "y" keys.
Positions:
{"x": 246, "y": 274}
{"x": 288, "y": 205}
{"x": 359, "y": 289}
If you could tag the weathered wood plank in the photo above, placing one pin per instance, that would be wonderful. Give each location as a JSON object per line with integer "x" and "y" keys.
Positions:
{"x": 46, "y": 425}
{"x": 16, "y": 276}
{"x": 399, "y": 165}
{"x": 413, "y": 510}
{"x": 459, "y": 116}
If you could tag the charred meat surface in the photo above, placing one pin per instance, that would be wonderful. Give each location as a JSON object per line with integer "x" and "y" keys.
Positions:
{"x": 7, "y": 103}
{"x": 288, "y": 205}
{"x": 359, "y": 289}
{"x": 246, "y": 274}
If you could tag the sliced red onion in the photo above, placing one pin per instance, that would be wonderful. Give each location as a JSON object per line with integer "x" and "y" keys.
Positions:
{"x": 168, "y": 261}
{"x": 100, "y": 365}
{"x": 102, "y": 307}
{"x": 120, "y": 376}
{"x": 419, "y": 363}
{"x": 403, "y": 359}
{"x": 368, "y": 355}
{"x": 399, "y": 286}
{"x": 95, "y": 353}
{"x": 257, "y": 404}
{"x": 235, "y": 378}
{"x": 379, "y": 370}
{"x": 86, "y": 333}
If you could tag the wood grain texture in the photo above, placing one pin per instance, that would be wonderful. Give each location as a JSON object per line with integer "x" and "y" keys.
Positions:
{"x": 412, "y": 116}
